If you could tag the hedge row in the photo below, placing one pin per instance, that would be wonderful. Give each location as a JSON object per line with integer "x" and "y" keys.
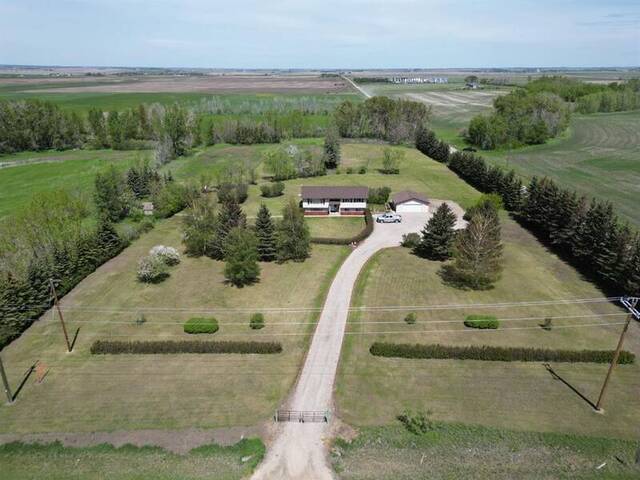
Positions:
{"x": 364, "y": 233}
{"x": 498, "y": 354}
{"x": 481, "y": 322}
{"x": 103, "y": 347}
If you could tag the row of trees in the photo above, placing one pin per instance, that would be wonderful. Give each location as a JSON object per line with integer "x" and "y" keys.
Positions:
{"x": 381, "y": 117}
{"x": 223, "y": 234}
{"x": 43, "y": 125}
{"x": 586, "y": 232}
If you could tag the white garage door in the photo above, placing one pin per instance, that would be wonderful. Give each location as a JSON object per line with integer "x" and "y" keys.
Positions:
{"x": 412, "y": 207}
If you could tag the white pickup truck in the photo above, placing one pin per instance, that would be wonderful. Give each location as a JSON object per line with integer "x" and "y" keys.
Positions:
{"x": 389, "y": 217}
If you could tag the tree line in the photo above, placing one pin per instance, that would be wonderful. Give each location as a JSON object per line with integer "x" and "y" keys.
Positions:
{"x": 586, "y": 232}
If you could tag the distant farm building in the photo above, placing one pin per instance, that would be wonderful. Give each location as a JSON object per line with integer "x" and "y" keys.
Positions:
{"x": 410, "y": 202}
{"x": 334, "y": 200}
{"x": 416, "y": 80}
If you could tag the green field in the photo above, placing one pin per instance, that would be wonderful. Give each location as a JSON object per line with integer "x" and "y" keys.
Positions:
{"x": 55, "y": 462}
{"x": 451, "y": 451}
{"x": 599, "y": 156}
{"x": 35, "y": 172}
{"x": 523, "y": 396}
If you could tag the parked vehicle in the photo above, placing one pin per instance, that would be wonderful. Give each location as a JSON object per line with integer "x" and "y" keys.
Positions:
{"x": 389, "y": 217}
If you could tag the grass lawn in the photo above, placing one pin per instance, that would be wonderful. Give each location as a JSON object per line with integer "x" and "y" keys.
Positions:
{"x": 44, "y": 171}
{"x": 335, "y": 227}
{"x": 102, "y": 393}
{"x": 516, "y": 395}
{"x": 598, "y": 156}
{"x": 459, "y": 451}
{"x": 55, "y": 462}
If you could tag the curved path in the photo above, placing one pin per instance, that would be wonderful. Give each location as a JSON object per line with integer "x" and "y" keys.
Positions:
{"x": 300, "y": 449}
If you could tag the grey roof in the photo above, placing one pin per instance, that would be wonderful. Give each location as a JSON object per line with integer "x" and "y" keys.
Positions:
{"x": 334, "y": 192}
{"x": 407, "y": 195}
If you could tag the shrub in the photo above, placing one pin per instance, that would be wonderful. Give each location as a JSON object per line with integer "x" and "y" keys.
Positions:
{"x": 168, "y": 255}
{"x": 410, "y": 240}
{"x": 481, "y": 321}
{"x": 498, "y": 354}
{"x": 274, "y": 189}
{"x": 547, "y": 324}
{"x": 141, "y": 319}
{"x": 362, "y": 170}
{"x": 349, "y": 170}
{"x": 115, "y": 347}
{"x": 257, "y": 321}
{"x": 201, "y": 325}
{"x": 417, "y": 423}
{"x": 152, "y": 269}
{"x": 410, "y": 318}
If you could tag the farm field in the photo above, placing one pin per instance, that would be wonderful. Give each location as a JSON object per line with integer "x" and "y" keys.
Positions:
{"x": 107, "y": 392}
{"x": 517, "y": 395}
{"x": 30, "y": 173}
{"x": 55, "y": 462}
{"x": 598, "y": 156}
{"x": 460, "y": 451}
{"x": 452, "y": 105}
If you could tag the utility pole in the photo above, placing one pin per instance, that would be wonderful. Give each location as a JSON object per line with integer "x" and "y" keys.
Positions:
{"x": 7, "y": 388}
{"x": 630, "y": 304}
{"x": 57, "y": 304}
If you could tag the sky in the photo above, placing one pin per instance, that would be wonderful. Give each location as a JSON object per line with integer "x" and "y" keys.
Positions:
{"x": 320, "y": 33}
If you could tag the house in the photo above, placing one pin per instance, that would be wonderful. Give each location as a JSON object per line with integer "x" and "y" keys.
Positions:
{"x": 147, "y": 208}
{"x": 410, "y": 202}
{"x": 334, "y": 200}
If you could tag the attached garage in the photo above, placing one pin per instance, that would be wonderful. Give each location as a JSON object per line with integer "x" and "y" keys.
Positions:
{"x": 410, "y": 202}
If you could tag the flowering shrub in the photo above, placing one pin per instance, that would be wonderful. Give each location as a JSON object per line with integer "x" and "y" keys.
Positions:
{"x": 152, "y": 269}
{"x": 168, "y": 255}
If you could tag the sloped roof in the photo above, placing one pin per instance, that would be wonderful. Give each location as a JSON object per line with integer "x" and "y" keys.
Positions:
{"x": 334, "y": 192}
{"x": 407, "y": 195}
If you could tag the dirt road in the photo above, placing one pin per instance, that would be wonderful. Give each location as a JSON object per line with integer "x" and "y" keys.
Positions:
{"x": 300, "y": 449}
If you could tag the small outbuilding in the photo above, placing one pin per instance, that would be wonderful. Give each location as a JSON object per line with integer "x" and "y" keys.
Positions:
{"x": 147, "y": 208}
{"x": 410, "y": 202}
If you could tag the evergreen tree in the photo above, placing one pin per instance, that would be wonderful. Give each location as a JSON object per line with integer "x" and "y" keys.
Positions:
{"x": 230, "y": 216}
{"x": 293, "y": 240}
{"x": 477, "y": 254}
{"x": 331, "y": 148}
{"x": 265, "y": 233}
{"x": 108, "y": 241}
{"x": 241, "y": 257}
{"x": 438, "y": 234}
{"x": 109, "y": 195}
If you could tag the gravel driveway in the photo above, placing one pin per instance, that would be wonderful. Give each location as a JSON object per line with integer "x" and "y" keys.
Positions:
{"x": 300, "y": 449}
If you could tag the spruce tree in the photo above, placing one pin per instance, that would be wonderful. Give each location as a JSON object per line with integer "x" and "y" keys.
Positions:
{"x": 265, "y": 233}
{"x": 438, "y": 235}
{"x": 293, "y": 240}
{"x": 108, "y": 195}
{"x": 331, "y": 149}
{"x": 230, "y": 216}
{"x": 241, "y": 257}
{"x": 477, "y": 253}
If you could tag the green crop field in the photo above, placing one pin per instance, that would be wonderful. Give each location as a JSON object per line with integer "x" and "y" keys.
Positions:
{"x": 517, "y": 395}
{"x": 598, "y": 156}
{"x": 461, "y": 451}
{"x": 29, "y": 173}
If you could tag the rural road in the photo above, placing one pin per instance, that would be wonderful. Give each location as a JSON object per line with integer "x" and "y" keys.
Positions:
{"x": 300, "y": 449}
{"x": 354, "y": 85}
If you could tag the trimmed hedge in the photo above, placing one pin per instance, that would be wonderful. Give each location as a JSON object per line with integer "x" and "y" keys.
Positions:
{"x": 104, "y": 347}
{"x": 256, "y": 322}
{"x": 201, "y": 325}
{"x": 496, "y": 354}
{"x": 364, "y": 233}
{"x": 481, "y": 321}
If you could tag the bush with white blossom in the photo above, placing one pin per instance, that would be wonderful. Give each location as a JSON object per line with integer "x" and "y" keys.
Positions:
{"x": 152, "y": 269}
{"x": 168, "y": 255}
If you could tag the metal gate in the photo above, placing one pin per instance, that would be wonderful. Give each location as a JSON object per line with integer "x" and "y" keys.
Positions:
{"x": 302, "y": 416}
